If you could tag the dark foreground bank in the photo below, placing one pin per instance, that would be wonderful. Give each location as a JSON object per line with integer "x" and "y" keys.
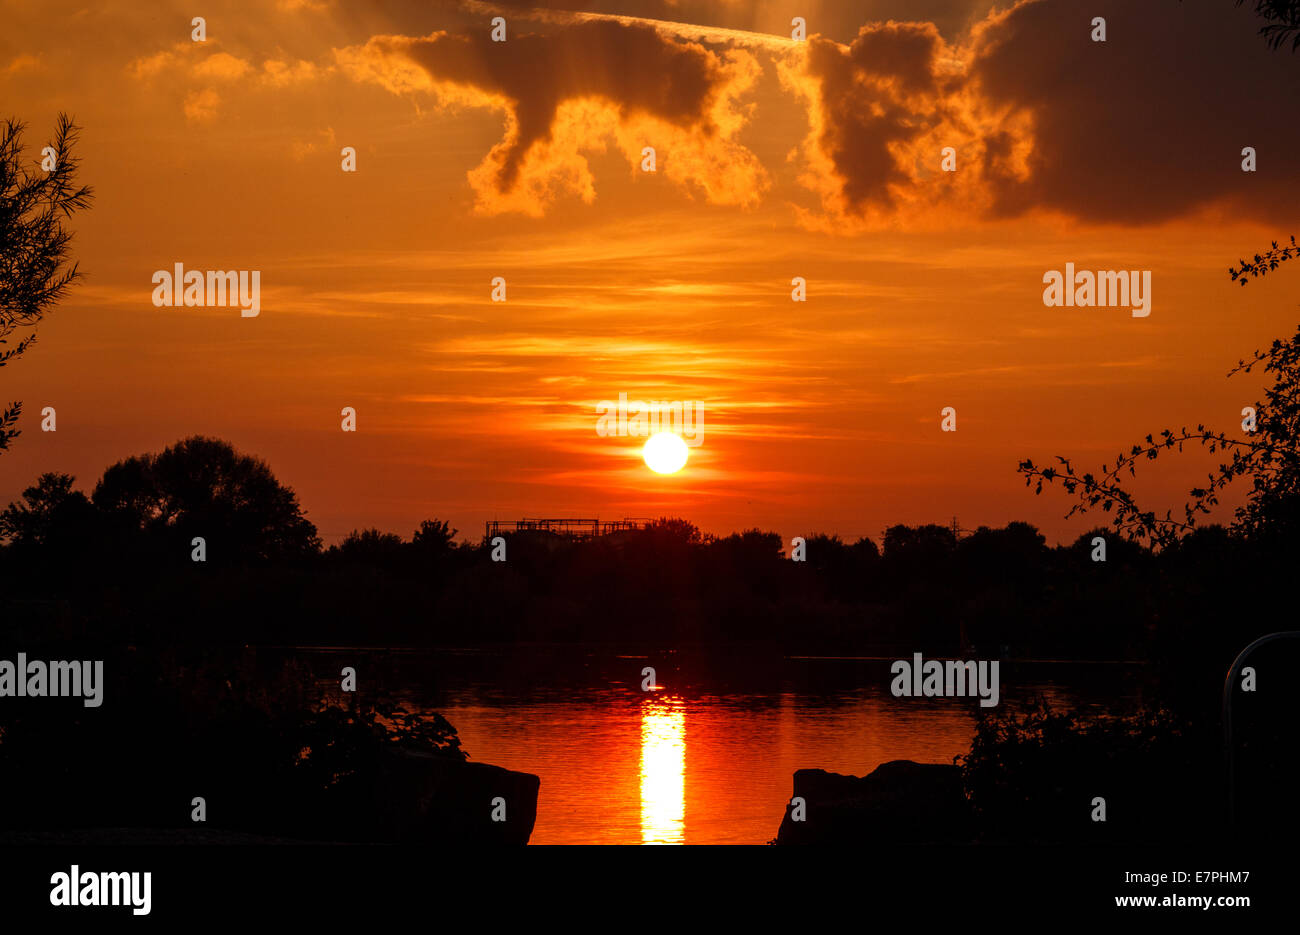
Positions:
{"x": 897, "y": 884}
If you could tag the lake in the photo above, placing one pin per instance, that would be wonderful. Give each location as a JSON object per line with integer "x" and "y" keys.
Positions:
{"x": 708, "y": 758}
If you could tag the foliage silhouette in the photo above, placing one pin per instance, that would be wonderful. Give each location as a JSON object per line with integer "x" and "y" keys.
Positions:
{"x": 203, "y": 487}
{"x": 34, "y": 243}
{"x": 1032, "y": 776}
{"x": 88, "y": 568}
{"x": 258, "y": 743}
{"x": 1282, "y": 21}
{"x": 1269, "y": 456}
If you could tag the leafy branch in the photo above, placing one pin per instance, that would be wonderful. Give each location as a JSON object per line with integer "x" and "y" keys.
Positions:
{"x": 1268, "y": 455}
{"x": 1264, "y": 263}
{"x": 1282, "y": 21}
{"x": 35, "y": 267}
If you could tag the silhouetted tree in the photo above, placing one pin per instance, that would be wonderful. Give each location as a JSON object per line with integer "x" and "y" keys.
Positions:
{"x": 866, "y": 549}
{"x": 51, "y": 530}
{"x": 1018, "y": 550}
{"x": 1282, "y": 19}
{"x": 846, "y": 571}
{"x": 48, "y": 505}
{"x": 1119, "y": 550}
{"x": 918, "y": 541}
{"x": 203, "y": 487}
{"x": 34, "y": 244}
{"x": 673, "y": 529}
{"x": 373, "y": 547}
{"x": 745, "y": 564}
{"x": 434, "y": 537}
{"x": 751, "y": 549}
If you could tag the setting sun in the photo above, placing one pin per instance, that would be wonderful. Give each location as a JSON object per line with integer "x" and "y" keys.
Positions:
{"x": 665, "y": 453}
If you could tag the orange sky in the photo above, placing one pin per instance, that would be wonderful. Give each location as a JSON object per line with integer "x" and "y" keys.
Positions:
{"x": 776, "y": 159}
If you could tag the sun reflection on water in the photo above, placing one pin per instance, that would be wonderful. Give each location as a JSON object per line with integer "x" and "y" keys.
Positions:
{"x": 663, "y": 771}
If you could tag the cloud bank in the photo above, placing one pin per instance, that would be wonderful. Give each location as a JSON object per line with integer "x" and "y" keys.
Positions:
{"x": 1144, "y": 127}
{"x": 573, "y": 89}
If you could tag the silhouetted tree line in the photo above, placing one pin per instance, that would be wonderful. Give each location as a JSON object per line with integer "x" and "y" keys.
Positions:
{"x": 116, "y": 566}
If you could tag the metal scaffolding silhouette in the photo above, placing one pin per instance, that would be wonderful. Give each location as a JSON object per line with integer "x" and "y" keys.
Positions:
{"x": 569, "y": 528}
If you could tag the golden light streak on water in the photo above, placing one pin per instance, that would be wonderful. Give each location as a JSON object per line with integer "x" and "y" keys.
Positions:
{"x": 663, "y": 771}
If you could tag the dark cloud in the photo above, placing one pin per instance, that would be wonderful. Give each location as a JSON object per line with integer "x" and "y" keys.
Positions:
{"x": 632, "y": 70}
{"x": 878, "y": 92}
{"x": 633, "y": 67}
{"x": 1149, "y": 124}
{"x": 1143, "y": 127}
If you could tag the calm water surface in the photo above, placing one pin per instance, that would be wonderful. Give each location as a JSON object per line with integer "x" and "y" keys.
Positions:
{"x": 710, "y": 758}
